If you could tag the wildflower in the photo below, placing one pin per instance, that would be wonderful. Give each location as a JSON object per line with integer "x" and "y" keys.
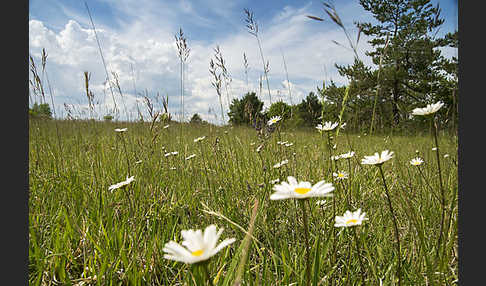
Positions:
{"x": 343, "y": 125}
{"x": 289, "y": 144}
{"x": 335, "y": 158}
{"x": 347, "y": 155}
{"x": 120, "y": 130}
{"x": 434, "y": 149}
{"x": 171, "y": 154}
{"x": 173, "y": 168}
{"x": 377, "y": 159}
{"x": 278, "y": 165}
{"x": 274, "y": 120}
{"x": 301, "y": 190}
{"x": 429, "y": 109}
{"x": 166, "y": 126}
{"x": 275, "y": 181}
{"x": 196, "y": 246}
{"x": 121, "y": 184}
{"x": 416, "y": 161}
{"x": 328, "y": 126}
{"x": 199, "y": 139}
{"x": 190, "y": 156}
{"x": 350, "y": 219}
{"x": 340, "y": 175}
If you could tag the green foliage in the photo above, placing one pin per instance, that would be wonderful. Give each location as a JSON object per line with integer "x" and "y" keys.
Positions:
{"x": 42, "y": 110}
{"x": 309, "y": 110}
{"x": 196, "y": 119}
{"x": 245, "y": 111}
{"x": 108, "y": 117}
{"x": 279, "y": 108}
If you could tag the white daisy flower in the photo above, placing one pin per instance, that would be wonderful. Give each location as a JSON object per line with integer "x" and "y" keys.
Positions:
{"x": 171, "y": 154}
{"x": 340, "y": 175}
{"x": 274, "y": 120}
{"x": 328, "y": 126}
{"x": 377, "y": 159}
{"x": 336, "y": 157}
{"x": 347, "y": 155}
{"x": 121, "y": 184}
{"x": 343, "y": 125}
{"x": 121, "y": 129}
{"x": 190, "y": 156}
{"x": 301, "y": 190}
{"x": 416, "y": 161}
{"x": 429, "y": 109}
{"x": 196, "y": 246}
{"x": 289, "y": 144}
{"x": 350, "y": 219}
{"x": 434, "y": 149}
{"x": 199, "y": 139}
{"x": 278, "y": 165}
{"x": 275, "y": 181}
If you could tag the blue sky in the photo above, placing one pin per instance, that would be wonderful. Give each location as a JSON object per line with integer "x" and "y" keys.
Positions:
{"x": 137, "y": 41}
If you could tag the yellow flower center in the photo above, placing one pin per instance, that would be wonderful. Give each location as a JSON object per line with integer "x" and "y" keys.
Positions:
{"x": 341, "y": 175}
{"x": 197, "y": 252}
{"x": 351, "y": 221}
{"x": 302, "y": 191}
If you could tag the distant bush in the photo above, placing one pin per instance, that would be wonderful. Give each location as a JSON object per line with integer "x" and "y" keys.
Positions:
{"x": 196, "y": 119}
{"x": 42, "y": 110}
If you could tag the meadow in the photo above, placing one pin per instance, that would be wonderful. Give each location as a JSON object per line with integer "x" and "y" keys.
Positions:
{"x": 83, "y": 233}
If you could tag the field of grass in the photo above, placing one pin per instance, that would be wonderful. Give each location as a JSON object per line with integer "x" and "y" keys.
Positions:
{"x": 81, "y": 233}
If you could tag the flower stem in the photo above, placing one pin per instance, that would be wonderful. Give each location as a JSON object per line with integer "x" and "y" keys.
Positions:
{"x": 307, "y": 249}
{"x": 373, "y": 268}
{"x": 126, "y": 154}
{"x": 333, "y": 199}
{"x": 397, "y": 236}
{"x": 359, "y": 256}
{"x": 206, "y": 272}
{"x": 443, "y": 202}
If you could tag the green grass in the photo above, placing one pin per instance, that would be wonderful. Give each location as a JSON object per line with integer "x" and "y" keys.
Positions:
{"x": 81, "y": 232}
